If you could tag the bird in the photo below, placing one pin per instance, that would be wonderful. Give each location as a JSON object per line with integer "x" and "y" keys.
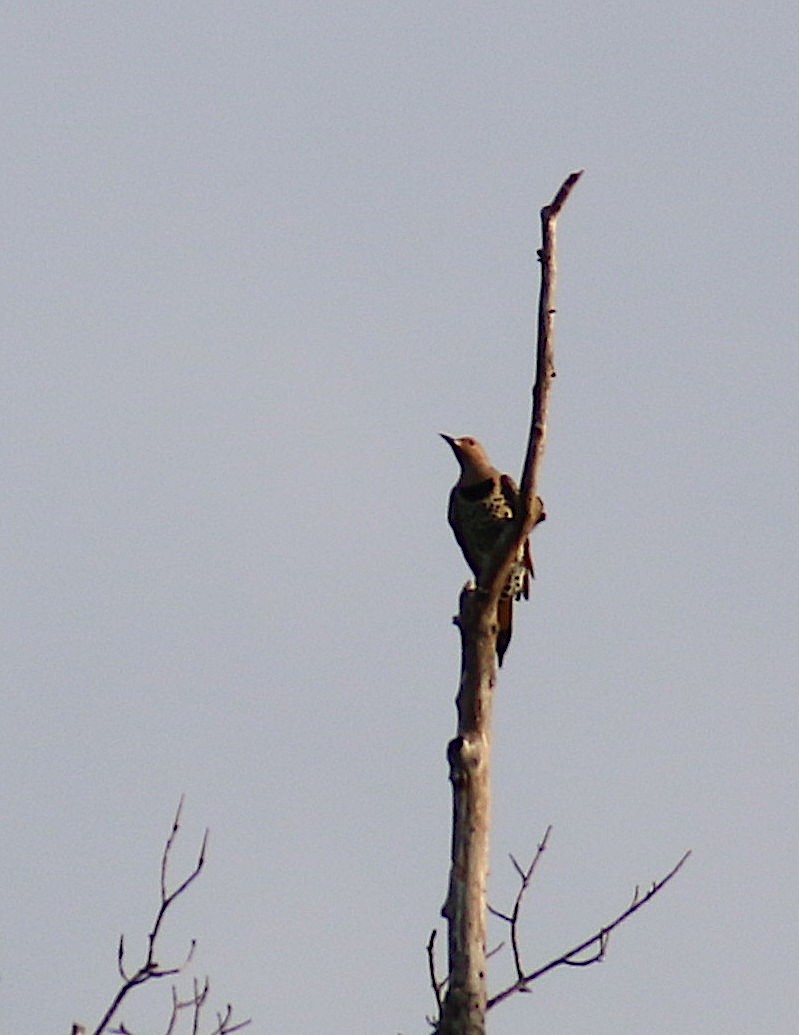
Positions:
{"x": 481, "y": 504}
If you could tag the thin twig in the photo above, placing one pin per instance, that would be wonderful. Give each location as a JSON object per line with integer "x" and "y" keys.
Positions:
{"x": 167, "y": 898}
{"x": 224, "y": 1027}
{"x": 435, "y": 984}
{"x": 600, "y": 940}
{"x": 525, "y": 876}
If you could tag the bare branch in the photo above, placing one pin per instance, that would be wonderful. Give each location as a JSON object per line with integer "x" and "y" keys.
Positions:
{"x": 597, "y": 943}
{"x": 195, "y": 1004}
{"x": 167, "y": 898}
{"x": 168, "y": 846}
{"x": 435, "y": 984}
{"x": 560, "y": 198}
{"x": 531, "y": 510}
{"x": 150, "y": 969}
{"x": 545, "y": 347}
{"x": 173, "y": 1017}
{"x": 525, "y": 876}
{"x": 121, "y": 958}
{"x": 224, "y": 1027}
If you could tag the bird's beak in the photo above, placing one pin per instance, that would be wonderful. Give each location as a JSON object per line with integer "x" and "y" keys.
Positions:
{"x": 448, "y": 438}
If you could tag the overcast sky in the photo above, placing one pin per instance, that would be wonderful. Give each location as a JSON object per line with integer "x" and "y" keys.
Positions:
{"x": 257, "y": 256}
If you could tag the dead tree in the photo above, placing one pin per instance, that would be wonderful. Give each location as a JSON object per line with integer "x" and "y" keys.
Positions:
{"x": 462, "y": 998}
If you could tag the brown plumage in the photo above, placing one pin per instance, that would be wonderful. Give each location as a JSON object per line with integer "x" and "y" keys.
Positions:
{"x": 480, "y": 505}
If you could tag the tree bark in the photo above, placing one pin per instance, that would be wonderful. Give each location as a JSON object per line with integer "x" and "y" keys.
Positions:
{"x": 469, "y": 755}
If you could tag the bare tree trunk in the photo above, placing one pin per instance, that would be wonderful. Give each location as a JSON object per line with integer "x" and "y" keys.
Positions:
{"x": 469, "y": 757}
{"x": 463, "y": 1011}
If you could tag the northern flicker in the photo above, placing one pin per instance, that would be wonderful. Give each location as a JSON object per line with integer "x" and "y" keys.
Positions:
{"x": 480, "y": 505}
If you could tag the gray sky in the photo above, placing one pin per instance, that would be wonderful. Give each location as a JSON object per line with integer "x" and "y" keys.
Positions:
{"x": 257, "y": 256}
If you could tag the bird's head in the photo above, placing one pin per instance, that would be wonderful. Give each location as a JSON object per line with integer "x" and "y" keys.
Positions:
{"x": 473, "y": 459}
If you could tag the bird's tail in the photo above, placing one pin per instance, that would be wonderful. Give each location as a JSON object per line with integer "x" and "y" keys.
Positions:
{"x": 505, "y": 626}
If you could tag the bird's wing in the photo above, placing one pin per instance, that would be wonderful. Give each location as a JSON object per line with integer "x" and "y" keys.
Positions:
{"x": 456, "y": 524}
{"x": 511, "y": 493}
